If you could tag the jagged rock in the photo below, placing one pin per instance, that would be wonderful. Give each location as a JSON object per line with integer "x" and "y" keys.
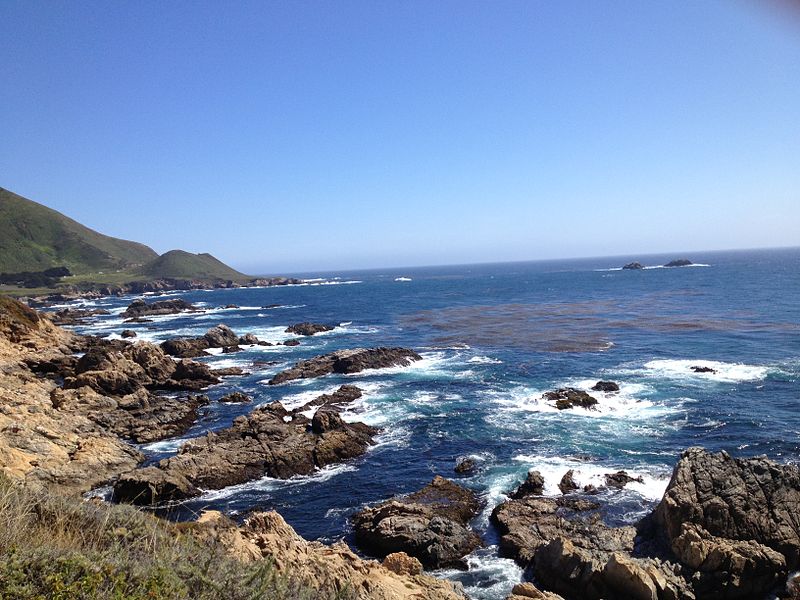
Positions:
{"x": 570, "y": 398}
{"x": 605, "y": 386}
{"x": 249, "y": 339}
{"x": 266, "y": 442}
{"x": 231, "y": 349}
{"x": 430, "y": 524}
{"x": 730, "y": 519}
{"x": 291, "y": 343}
{"x": 568, "y": 483}
{"x": 698, "y": 369}
{"x": 237, "y": 397}
{"x": 620, "y": 479}
{"x": 308, "y": 328}
{"x": 128, "y": 333}
{"x": 139, "y": 308}
{"x": 336, "y": 401}
{"x": 402, "y": 564}
{"x": 532, "y": 486}
{"x": 347, "y": 361}
{"x": 185, "y": 347}
{"x": 465, "y": 465}
{"x": 75, "y": 316}
{"x": 681, "y": 262}
{"x": 220, "y": 336}
{"x": 633, "y": 266}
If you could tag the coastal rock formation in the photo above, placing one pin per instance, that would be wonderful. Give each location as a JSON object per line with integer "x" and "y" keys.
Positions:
{"x": 532, "y": 486}
{"x": 565, "y": 398}
{"x": 681, "y": 262}
{"x": 40, "y": 443}
{"x": 430, "y": 525}
{"x": 736, "y": 522}
{"x": 308, "y": 328}
{"x": 633, "y": 266}
{"x": 268, "y": 441}
{"x": 620, "y": 479}
{"x": 526, "y": 591}
{"x": 236, "y": 397}
{"x": 465, "y": 465}
{"x": 330, "y": 570}
{"x": 219, "y": 336}
{"x": 335, "y": 401}
{"x": 140, "y": 308}
{"x": 75, "y": 316}
{"x": 702, "y": 369}
{"x": 347, "y": 361}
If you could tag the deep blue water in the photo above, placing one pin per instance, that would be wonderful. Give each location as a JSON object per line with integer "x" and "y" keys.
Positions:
{"x": 494, "y": 338}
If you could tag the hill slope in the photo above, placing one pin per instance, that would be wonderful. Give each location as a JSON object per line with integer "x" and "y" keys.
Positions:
{"x": 179, "y": 264}
{"x": 34, "y": 237}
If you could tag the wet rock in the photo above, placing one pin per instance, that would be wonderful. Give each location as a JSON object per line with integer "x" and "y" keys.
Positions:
{"x": 620, "y": 479}
{"x": 430, "y": 524}
{"x": 249, "y": 339}
{"x": 220, "y": 336}
{"x": 681, "y": 262}
{"x": 128, "y": 333}
{"x": 336, "y": 401}
{"x": 231, "y": 349}
{"x": 698, "y": 369}
{"x": 75, "y": 316}
{"x": 139, "y": 308}
{"x": 570, "y": 398}
{"x": 291, "y": 343}
{"x": 605, "y": 386}
{"x": 269, "y": 442}
{"x": 465, "y": 465}
{"x": 532, "y": 486}
{"x": 347, "y": 361}
{"x": 568, "y": 483}
{"x": 236, "y": 397}
{"x": 229, "y": 306}
{"x": 633, "y": 266}
{"x": 308, "y": 328}
{"x": 228, "y": 372}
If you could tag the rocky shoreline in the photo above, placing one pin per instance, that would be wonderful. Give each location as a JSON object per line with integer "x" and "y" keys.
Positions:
{"x": 73, "y": 406}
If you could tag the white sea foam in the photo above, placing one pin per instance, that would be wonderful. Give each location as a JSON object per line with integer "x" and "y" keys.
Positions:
{"x": 164, "y": 445}
{"x": 485, "y": 360}
{"x": 553, "y": 469}
{"x": 266, "y": 484}
{"x": 402, "y": 279}
{"x": 723, "y": 371}
{"x": 489, "y": 577}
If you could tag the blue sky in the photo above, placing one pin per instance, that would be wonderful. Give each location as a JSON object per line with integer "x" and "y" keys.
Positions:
{"x": 285, "y": 136}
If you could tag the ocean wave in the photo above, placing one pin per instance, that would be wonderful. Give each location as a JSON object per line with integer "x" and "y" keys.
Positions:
{"x": 488, "y": 576}
{"x": 724, "y": 372}
{"x": 266, "y": 484}
{"x": 402, "y": 279}
{"x": 553, "y": 468}
{"x": 485, "y": 360}
{"x": 164, "y": 445}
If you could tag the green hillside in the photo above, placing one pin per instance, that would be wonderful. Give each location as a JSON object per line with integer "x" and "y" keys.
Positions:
{"x": 178, "y": 264}
{"x": 34, "y": 237}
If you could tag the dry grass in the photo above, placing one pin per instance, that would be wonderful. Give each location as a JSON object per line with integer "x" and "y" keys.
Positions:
{"x": 59, "y": 548}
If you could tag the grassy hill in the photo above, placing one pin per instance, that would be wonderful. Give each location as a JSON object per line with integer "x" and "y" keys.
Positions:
{"x": 34, "y": 237}
{"x": 178, "y": 264}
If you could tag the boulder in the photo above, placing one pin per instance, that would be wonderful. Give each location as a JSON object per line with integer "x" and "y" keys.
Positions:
{"x": 605, "y": 386}
{"x": 430, "y": 525}
{"x": 151, "y": 485}
{"x": 291, "y": 343}
{"x": 526, "y": 591}
{"x": 465, "y": 465}
{"x": 221, "y": 336}
{"x": 336, "y": 401}
{"x": 532, "y": 486}
{"x": 620, "y": 479}
{"x": 347, "y": 361}
{"x": 308, "y": 328}
{"x": 128, "y": 333}
{"x": 235, "y": 397}
{"x": 568, "y": 483}
{"x": 249, "y": 339}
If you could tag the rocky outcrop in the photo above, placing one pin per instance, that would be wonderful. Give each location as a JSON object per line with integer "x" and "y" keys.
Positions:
{"x": 333, "y": 571}
{"x": 702, "y": 369}
{"x": 430, "y": 525}
{"x": 269, "y": 441}
{"x": 75, "y": 316}
{"x": 633, "y": 266}
{"x": 681, "y": 262}
{"x": 465, "y": 466}
{"x": 565, "y": 398}
{"x": 526, "y": 591}
{"x": 335, "y": 401}
{"x": 121, "y": 371}
{"x": 236, "y": 397}
{"x": 735, "y": 522}
{"x": 347, "y": 361}
{"x": 220, "y": 336}
{"x": 139, "y": 308}
{"x": 532, "y": 486}
{"x": 308, "y": 328}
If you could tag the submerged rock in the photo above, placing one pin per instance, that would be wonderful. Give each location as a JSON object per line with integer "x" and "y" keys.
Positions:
{"x": 698, "y": 369}
{"x": 431, "y": 525}
{"x": 465, "y": 465}
{"x": 570, "y": 398}
{"x": 347, "y": 361}
{"x": 605, "y": 386}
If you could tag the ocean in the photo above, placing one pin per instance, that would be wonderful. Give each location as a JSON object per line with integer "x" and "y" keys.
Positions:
{"x": 494, "y": 338}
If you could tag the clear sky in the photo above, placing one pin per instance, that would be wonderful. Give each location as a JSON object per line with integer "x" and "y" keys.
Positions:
{"x": 285, "y": 136}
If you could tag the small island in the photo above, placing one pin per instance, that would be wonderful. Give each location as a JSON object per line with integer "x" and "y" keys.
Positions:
{"x": 633, "y": 266}
{"x": 681, "y": 262}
